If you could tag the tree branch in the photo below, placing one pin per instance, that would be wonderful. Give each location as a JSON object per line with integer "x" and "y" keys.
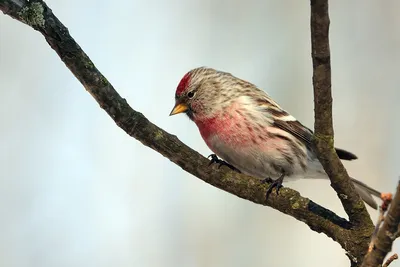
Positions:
{"x": 323, "y": 138}
{"x": 39, "y": 16}
{"x": 386, "y": 234}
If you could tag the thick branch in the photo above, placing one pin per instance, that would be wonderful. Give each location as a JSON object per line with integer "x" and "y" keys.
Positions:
{"x": 323, "y": 137}
{"x": 386, "y": 234}
{"x": 39, "y": 16}
{"x": 323, "y": 140}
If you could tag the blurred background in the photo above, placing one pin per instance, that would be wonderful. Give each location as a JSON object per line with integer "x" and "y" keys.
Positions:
{"x": 75, "y": 190}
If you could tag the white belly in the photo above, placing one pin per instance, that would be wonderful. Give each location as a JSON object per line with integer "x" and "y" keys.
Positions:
{"x": 263, "y": 163}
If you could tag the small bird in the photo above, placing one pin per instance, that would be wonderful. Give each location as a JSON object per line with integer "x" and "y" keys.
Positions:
{"x": 251, "y": 133}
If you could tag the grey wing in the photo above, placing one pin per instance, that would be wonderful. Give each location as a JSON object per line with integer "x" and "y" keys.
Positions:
{"x": 288, "y": 123}
{"x": 296, "y": 129}
{"x": 285, "y": 121}
{"x": 304, "y": 134}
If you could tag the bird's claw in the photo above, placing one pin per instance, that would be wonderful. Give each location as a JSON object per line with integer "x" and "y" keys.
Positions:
{"x": 274, "y": 184}
{"x": 215, "y": 159}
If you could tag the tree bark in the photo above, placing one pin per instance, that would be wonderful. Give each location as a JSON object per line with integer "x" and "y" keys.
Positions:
{"x": 353, "y": 234}
{"x": 386, "y": 234}
{"x": 324, "y": 134}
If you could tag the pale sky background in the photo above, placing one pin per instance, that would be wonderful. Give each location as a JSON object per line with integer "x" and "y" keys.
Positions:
{"x": 75, "y": 190}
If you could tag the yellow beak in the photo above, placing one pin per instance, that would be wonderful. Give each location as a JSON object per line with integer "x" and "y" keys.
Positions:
{"x": 179, "y": 108}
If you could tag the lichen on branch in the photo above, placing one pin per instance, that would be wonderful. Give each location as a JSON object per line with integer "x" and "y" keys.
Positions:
{"x": 352, "y": 235}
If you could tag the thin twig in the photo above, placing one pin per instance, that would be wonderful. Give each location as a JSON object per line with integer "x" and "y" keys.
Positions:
{"x": 390, "y": 260}
{"x": 387, "y": 233}
{"x": 386, "y": 199}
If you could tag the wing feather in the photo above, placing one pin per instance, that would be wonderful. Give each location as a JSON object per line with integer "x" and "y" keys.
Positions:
{"x": 288, "y": 123}
{"x": 285, "y": 121}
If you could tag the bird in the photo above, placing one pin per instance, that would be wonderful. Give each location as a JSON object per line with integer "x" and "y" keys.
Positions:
{"x": 250, "y": 133}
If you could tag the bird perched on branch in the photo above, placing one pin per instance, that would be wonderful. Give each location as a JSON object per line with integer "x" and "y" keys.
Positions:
{"x": 251, "y": 133}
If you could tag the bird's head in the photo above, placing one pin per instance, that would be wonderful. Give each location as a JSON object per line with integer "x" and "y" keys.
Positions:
{"x": 201, "y": 92}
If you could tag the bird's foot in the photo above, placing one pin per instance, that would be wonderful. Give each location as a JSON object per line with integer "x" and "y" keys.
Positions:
{"x": 215, "y": 159}
{"x": 274, "y": 183}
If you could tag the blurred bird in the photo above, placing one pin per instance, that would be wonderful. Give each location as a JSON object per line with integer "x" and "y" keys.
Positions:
{"x": 251, "y": 133}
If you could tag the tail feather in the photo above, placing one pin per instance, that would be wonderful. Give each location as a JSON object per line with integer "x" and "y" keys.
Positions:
{"x": 366, "y": 192}
{"x": 362, "y": 189}
{"x": 346, "y": 155}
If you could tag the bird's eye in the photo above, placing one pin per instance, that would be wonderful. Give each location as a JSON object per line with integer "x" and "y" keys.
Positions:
{"x": 190, "y": 94}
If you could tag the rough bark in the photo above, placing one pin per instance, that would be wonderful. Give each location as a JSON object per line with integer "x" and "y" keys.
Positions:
{"x": 40, "y": 17}
{"x": 352, "y": 235}
{"x": 324, "y": 141}
{"x": 324, "y": 134}
{"x": 386, "y": 234}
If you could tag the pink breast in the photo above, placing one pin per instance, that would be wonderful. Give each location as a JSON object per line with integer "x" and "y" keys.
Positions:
{"x": 229, "y": 127}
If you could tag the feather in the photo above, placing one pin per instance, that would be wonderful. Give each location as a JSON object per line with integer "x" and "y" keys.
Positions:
{"x": 288, "y": 123}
